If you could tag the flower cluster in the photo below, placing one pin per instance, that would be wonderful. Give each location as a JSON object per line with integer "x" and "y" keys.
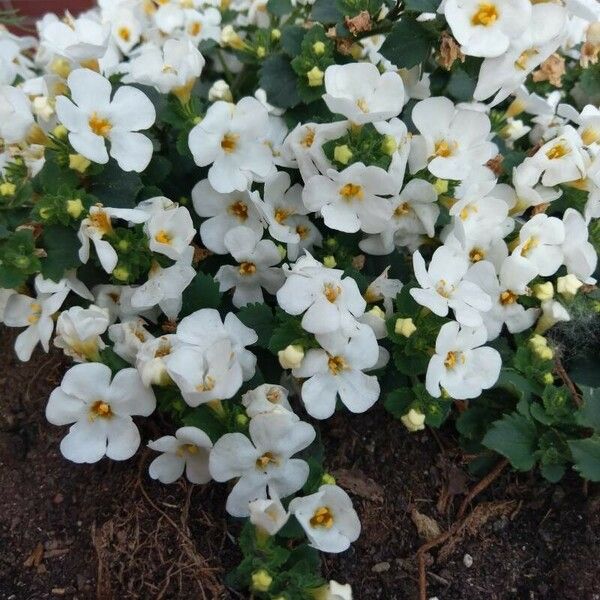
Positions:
{"x": 247, "y": 215}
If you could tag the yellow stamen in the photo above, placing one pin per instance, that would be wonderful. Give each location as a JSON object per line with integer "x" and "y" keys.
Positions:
{"x": 336, "y": 364}
{"x": 99, "y": 125}
{"x": 101, "y": 221}
{"x": 521, "y": 62}
{"x": 558, "y": 151}
{"x": 529, "y": 245}
{"x": 486, "y": 15}
{"x": 444, "y": 149}
{"x": 476, "y": 255}
{"x": 402, "y": 210}
{"x": 124, "y": 33}
{"x": 163, "y": 237}
{"x": 239, "y": 210}
{"x": 207, "y": 384}
{"x": 195, "y": 28}
{"x": 268, "y": 458}
{"x": 351, "y": 191}
{"x": 36, "y": 313}
{"x": 332, "y": 292}
{"x": 100, "y": 409}
{"x": 508, "y": 297}
{"x": 229, "y": 142}
{"x": 187, "y": 449}
{"x": 322, "y": 517}
{"x": 247, "y": 268}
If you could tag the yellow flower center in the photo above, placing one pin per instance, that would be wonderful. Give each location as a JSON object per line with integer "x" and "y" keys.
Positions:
{"x": 99, "y": 125}
{"x": 332, "y": 292}
{"x": 247, "y": 268}
{"x": 350, "y": 191}
{"x": 521, "y": 62}
{"x": 452, "y": 358}
{"x": 101, "y": 221}
{"x": 268, "y": 458}
{"x": 508, "y": 297}
{"x": 590, "y": 135}
{"x": 322, "y": 517}
{"x": 195, "y": 28}
{"x": 362, "y": 105}
{"x": 467, "y": 211}
{"x": 163, "y": 237}
{"x": 100, "y": 409}
{"x": 486, "y": 14}
{"x": 274, "y": 395}
{"x": 124, "y": 33}
{"x": 309, "y": 138}
{"x": 444, "y": 149}
{"x": 558, "y": 151}
{"x": 281, "y": 214}
{"x": 402, "y": 210}
{"x": 187, "y": 449}
{"x": 229, "y": 142}
{"x": 36, "y": 313}
{"x": 442, "y": 288}
{"x": 239, "y": 210}
{"x": 302, "y": 231}
{"x": 336, "y": 364}
{"x": 208, "y": 383}
{"x": 476, "y": 255}
{"x": 529, "y": 245}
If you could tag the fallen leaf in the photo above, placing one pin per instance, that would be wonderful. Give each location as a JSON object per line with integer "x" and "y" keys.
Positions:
{"x": 359, "y": 484}
{"x": 427, "y": 527}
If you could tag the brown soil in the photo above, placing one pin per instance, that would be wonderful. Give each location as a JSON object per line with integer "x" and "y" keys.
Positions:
{"x": 107, "y": 531}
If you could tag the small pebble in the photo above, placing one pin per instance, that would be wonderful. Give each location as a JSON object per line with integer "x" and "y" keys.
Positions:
{"x": 468, "y": 561}
{"x": 381, "y": 567}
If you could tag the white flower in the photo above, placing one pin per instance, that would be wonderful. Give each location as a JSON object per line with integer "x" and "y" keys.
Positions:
{"x": 377, "y": 98}
{"x": 165, "y": 286}
{"x": 92, "y": 118}
{"x": 540, "y": 241}
{"x": 338, "y": 591}
{"x": 579, "y": 256}
{"x": 514, "y": 275}
{"x": 68, "y": 282}
{"x": 78, "y": 332}
{"x": 117, "y": 299}
{"x": 486, "y": 28}
{"x": 262, "y": 462}
{"x": 170, "y": 231}
{"x": 205, "y": 374}
{"x": 204, "y": 329}
{"x": 266, "y": 398}
{"x": 553, "y": 312}
{"x": 128, "y": 337}
{"x": 126, "y": 29}
{"x": 443, "y": 287}
{"x": 100, "y": 411}
{"x": 414, "y": 213}
{"x": 268, "y": 515}
{"x": 336, "y": 369}
{"x": 98, "y": 224}
{"x": 257, "y": 259}
{"x": 588, "y": 120}
{"x": 203, "y": 25}
{"x": 329, "y": 303}
{"x": 229, "y": 138}
{"x": 460, "y": 366}
{"x": 560, "y": 160}
{"x": 352, "y": 200}
{"x": 36, "y": 315}
{"x": 328, "y": 518}
{"x": 453, "y": 141}
{"x": 188, "y": 450}
{"x": 150, "y": 359}
{"x": 224, "y": 212}
{"x": 78, "y": 39}
{"x": 15, "y": 114}
{"x": 172, "y": 68}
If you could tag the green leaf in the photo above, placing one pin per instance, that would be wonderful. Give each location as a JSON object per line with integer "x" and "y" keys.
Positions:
{"x": 112, "y": 360}
{"x": 203, "y": 292}
{"x": 279, "y": 81}
{"x": 422, "y": 5}
{"x": 116, "y": 188}
{"x": 62, "y": 248}
{"x": 288, "y": 331}
{"x": 260, "y": 318}
{"x": 515, "y": 437}
{"x": 589, "y": 414}
{"x": 552, "y": 472}
{"x": 590, "y": 80}
{"x": 52, "y": 176}
{"x": 279, "y": 8}
{"x": 408, "y": 44}
{"x": 205, "y": 418}
{"x": 291, "y": 39}
{"x": 461, "y": 85}
{"x": 586, "y": 457}
{"x": 325, "y": 11}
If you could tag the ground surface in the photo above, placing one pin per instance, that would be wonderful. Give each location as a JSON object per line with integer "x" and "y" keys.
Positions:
{"x": 107, "y": 531}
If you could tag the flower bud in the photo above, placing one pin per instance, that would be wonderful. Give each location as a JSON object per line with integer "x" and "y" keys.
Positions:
{"x": 552, "y": 313}
{"x": 539, "y": 345}
{"x": 291, "y": 357}
{"x": 229, "y": 37}
{"x": 516, "y": 107}
{"x": 315, "y": 77}
{"x": 275, "y": 35}
{"x": 413, "y": 420}
{"x": 592, "y": 34}
{"x": 568, "y": 285}
{"x": 42, "y": 107}
{"x": 389, "y": 145}
{"x": 548, "y": 378}
{"x": 78, "y": 163}
{"x": 261, "y": 581}
{"x": 261, "y": 52}
{"x": 405, "y": 327}
{"x": 241, "y": 420}
{"x": 377, "y": 312}
{"x": 60, "y": 67}
{"x": 318, "y": 48}
{"x": 328, "y": 479}
{"x": 329, "y": 262}
{"x": 60, "y": 132}
{"x": 121, "y": 273}
{"x": 74, "y": 207}
{"x": 342, "y": 154}
{"x": 543, "y": 291}
{"x": 220, "y": 91}
{"x": 7, "y": 189}
{"x": 441, "y": 186}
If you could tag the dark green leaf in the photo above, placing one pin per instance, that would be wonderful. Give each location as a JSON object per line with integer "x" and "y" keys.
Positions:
{"x": 589, "y": 414}
{"x": 62, "y": 247}
{"x": 279, "y": 8}
{"x": 515, "y": 437}
{"x": 260, "y": 318}
{"x": 116, "y": 188}
{"x": 279, "y": 81}
{"x": 586, "y": 457}
{"x": 203, "y": 292}
{"x": 325, "y": 11}
{"x": 422, "y": 5}
{"x": 408, "y": 44}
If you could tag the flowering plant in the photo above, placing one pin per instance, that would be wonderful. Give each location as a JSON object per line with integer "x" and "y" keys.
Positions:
{"x": 250, "y": 214}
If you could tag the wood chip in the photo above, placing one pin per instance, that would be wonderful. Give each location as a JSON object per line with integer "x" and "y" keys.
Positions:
{"x": 35, "y": 558}
{"x": 427, "y": 527}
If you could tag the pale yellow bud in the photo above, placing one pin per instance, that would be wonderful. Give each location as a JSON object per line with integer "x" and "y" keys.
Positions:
{"x": 405, "y": 327}
{"x": 318, "y": 48}
{"x": 78, "y": 163}
{"x": 543, "y": 291}
{"x": 7, "y": 189}
{"x": 315, "y": 77}
{"x": 60, "y": 132}
{"x": 441, "y": 186}
{"x": 389, "y": 145}
{"x": 342, "y": 154}
{"x": 261, "y": 581}
{"x": 74, "y": 207}
{"x": 568, "y": 285}
{"x": 377, "y": 312}
{"x": 291, "y": 357}
{"x": 413, "y": 420}
{"x": 329, "y": 261}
